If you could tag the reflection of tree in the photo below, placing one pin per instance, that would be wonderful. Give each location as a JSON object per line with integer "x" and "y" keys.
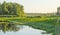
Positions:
{"x": 9, "y": 27}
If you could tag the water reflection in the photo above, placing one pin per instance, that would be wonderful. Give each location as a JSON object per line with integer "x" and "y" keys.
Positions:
{"x": 11, "y": 28}
{"x": 49, "y": 27}
{"x": 5, "y": 27}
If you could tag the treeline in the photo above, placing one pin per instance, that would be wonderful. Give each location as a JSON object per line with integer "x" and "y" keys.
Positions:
{"x": 11, "y": 9}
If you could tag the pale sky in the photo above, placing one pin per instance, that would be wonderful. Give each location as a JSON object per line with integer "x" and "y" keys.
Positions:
{"x": 38, "y": 6}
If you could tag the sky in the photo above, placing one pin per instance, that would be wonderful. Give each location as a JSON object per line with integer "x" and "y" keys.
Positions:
{"x": 38, "y": 6}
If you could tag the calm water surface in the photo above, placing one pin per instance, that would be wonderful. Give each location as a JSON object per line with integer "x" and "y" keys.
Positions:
{"x": 25, "y": 30}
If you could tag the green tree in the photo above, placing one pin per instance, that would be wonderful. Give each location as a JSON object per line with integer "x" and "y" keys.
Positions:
{"x": 22, "y": 11}
{"x": 0, "y": 9}
{"x": 18, "y": 9}
{"x": 4, "y": 7}
{"x": 12, "y": 9}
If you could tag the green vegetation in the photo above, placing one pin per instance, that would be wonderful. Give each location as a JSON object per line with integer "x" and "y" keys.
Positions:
{"x": 14, "y": 13}
{"x": 47, "y": 23}
{"x": 11, "y": 9}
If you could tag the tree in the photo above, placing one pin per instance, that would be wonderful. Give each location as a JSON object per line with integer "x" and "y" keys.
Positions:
{"x": 22, "y": 10}
{"x": 4, "y": 7}
{"x": 0, "y": 9}
{"x": 11, "y": 9}
{"x": 18, "y": 9}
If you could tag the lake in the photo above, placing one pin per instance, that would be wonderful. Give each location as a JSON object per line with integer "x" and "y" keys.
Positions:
{"x": 47, "y": 27}
{"x": 20, "y": 30}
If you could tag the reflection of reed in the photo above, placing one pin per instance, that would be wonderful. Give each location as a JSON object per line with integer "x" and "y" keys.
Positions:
{"x": 57, "y": 27}
{"x": 4, "y": 26}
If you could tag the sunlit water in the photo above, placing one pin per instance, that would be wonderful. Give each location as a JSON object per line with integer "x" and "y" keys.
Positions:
{"x": 26, "y": 30}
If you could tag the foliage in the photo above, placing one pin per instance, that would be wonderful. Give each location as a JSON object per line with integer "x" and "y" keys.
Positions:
{"x": 11, "y": 9}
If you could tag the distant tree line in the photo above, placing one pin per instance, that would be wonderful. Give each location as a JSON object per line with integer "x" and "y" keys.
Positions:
{"x": 11, "y": 9}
